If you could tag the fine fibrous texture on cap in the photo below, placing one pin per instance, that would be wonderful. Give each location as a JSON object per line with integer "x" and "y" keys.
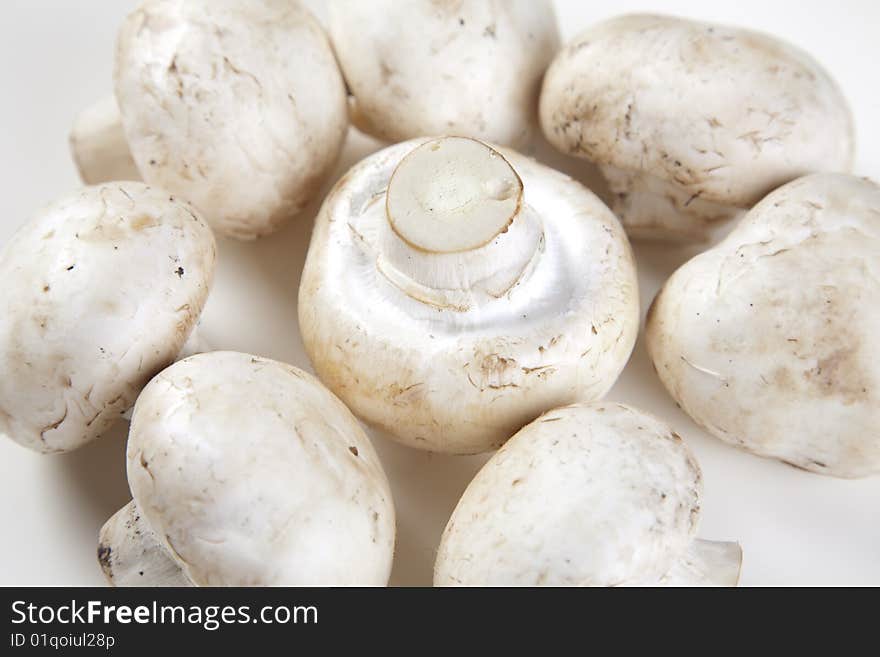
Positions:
{"x": 521, "y": 298}
{"x": 102, "y": 289}
{"x": 692, "y": 122}
{"x": 248, "y": 472}
{"x": 771, "y": 340}
{"x": 586, "y": 495}
{"x": 239, "y": 107}
{"x": 468, "y": 68}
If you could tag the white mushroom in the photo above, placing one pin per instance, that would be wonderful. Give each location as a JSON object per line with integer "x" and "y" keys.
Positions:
{"x": 453, "y": 292}
{"x": 99, "y": 146}
{"x": 195, "y": 344}
{"x": 587, "y": 495}
{"x": 691, "y": 122}
{"x": 469, "y": 67}
{"x": 102, "y": 289}
{"x": 238, "y": 107}
{"x": 771, "y": 340}
{"x": 248, "y": 472}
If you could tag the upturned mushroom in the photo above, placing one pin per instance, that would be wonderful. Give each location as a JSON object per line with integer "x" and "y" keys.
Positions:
{"x": 469, "y": 68}
{"x": 248, "y": 472}
{"x": 453, "y": 292}
{"x": 587, "y": 495}
{"x": 238, "y": 107}
{"x": 102, "y": 289}
{"x": 771, "y": 340}
{"x": 692, "y": 123}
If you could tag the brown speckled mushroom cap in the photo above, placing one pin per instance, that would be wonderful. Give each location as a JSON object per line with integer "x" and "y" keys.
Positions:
{"x": 248, "y": 472}
{"x": 469, "y": 67}
{"x": 771, "y": 340}
{"x": 101, "y": 290}
{"x": 239, "y": 107}
{"x": 690, "y": 121}
{"x": 587, "y": 495}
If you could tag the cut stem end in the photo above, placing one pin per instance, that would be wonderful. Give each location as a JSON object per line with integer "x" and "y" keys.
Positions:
{"x": 451, "y": 195}
{"x": 706, "y": 563}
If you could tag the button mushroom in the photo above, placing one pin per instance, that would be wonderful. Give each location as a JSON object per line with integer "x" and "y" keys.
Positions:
{"x": 453, "y": 292}
{"x": 770, "y": 340}
{"x": 586, "y": 495}
{"x": 103, "y": 288}
{"x": 248, "y": 472}
{"x": 692, "y": 123}
{"x": 99, "y": 146}
{"x": 419, "y": 68}
{"x": 238, "y": 107}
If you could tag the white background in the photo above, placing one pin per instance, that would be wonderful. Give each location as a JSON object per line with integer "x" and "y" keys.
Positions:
{"x": 55, "y": 58}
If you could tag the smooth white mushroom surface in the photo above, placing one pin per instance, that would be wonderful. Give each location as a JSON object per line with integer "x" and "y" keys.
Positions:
{"x": 453, "y": 292}
{"x": 101, "y": 290}
{"x": 771, "y": 340}
{"x": 248, "y": 472}
{"x": 586, "y": 495}
{"x": 470, "y": 67}
{"x": 692, "y": 122}
{"x": 237, "y": 106}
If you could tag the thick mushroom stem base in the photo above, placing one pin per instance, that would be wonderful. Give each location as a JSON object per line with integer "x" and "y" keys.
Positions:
{"x": 456, "y": 231}
{"x": 706, "y": 563}
{"x": 652, "y": 208}
{"x": 99, "y": 147}
{"x": 130, "y": 555}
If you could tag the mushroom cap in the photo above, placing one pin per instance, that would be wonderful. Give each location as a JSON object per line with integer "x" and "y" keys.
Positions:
{"x": 757, "y": 111}
{"x": 104, "y": 286}
{"x": 251, "y": 473}
{"x": 771, "y": 340}
{"x": 239, "y": 107}
{"x": 419, "y": 68}
{"x": 464, "y": 381}
{"x": 591, "y": 494}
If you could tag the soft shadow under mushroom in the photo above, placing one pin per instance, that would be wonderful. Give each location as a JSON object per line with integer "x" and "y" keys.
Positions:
{"x": 95, "y": 475}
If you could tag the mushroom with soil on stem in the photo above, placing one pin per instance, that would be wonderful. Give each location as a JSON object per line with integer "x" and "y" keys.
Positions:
{"x": 468, "y": 68}
{"x": 771, "y": 340}
{"x": 453, "y": 292}
{"x": 692, "y": 123}
{"x": 105, "y": 286}
{"x": 248, "y": 472}
{"x": 238, "y": 107}
{"x": 586, "y": 495}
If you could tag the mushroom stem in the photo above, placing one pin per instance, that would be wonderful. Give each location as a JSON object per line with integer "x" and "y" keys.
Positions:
{"x": 130, "y": 554}
{"x": 653, "y": 208}
{"x": 458, "y": 232}
{"x": 99, "y": 146}
{"x": 706, "y": 563}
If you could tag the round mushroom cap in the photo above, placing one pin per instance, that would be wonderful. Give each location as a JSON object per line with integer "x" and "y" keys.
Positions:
{"x": 463, "y": 378}
{"x": 469, "y": 68}
{"x": 725, "y": 113}
{"x": 251, "y": 473}
{"x": 771, "y": 340}
{"x": 238, "y": 106}
{"x": 587, "y": 495}
{"x": 102, "y": 289}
